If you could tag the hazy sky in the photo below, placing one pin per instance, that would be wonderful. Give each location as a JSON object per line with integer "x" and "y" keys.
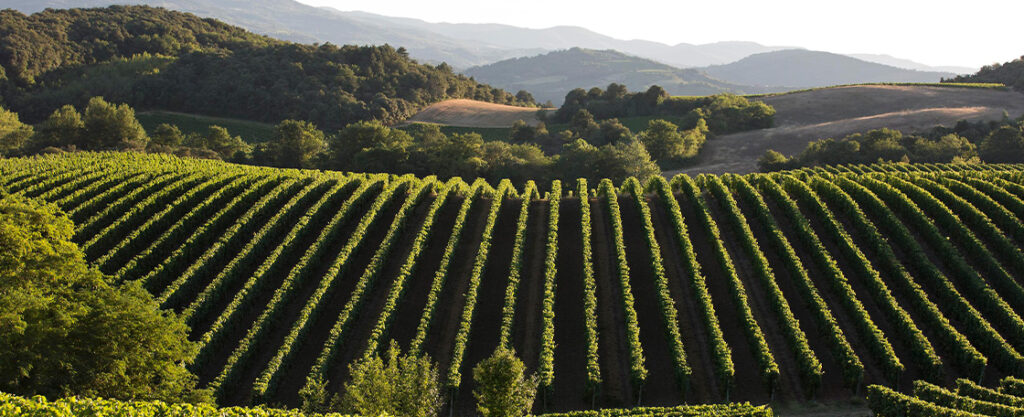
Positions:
{"x": 934, "y": 32}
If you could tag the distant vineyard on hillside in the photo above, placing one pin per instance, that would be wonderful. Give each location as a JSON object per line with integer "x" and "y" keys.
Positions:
{"x": 808, "y": 284}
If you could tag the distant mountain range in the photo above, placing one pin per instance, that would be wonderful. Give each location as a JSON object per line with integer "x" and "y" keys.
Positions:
{"x": 908, "y": 64}
{"x": 460, "y": 45}
{"x": 550, "y": 76}
{"x": 802, "y": 68}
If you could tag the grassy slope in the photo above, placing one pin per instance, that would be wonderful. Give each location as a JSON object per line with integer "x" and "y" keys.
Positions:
{"x": 250, "y": 131}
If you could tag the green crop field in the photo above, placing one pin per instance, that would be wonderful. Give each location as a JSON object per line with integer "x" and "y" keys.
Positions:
{"x": 796, "y": 286}
{"x": 251, "y": 132}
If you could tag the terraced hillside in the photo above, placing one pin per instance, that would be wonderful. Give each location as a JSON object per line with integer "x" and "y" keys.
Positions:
{"x": 809, "y": 284}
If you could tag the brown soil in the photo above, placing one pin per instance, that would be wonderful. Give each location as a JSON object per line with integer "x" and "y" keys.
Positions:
{"x": 788, "y": 385}
{"x": 662, "y": 387}
{"x": 472, "y": 113}
{"x": 703, "y": 386}
{"x": 868, "y": 301}
{"x": 569, "y": 390}
{"x": 748, "y": 384}
{"x": 872, "y": 373}
{"x": 448, "y": 313}
{"x": 364, "y": 317}
{"x": 802, "y": 117}
{"x": 950, "y": 372}
{"x": 485, "y": 328}
{"x": 614, "y": 352}
{"x": 992, "y": 372}
{"x": 526, "y": 330}
{"x": 832, "y": 381}
{"x": 407, "y": 314}
{"x": 248, "y": 311}
{"x": 329, "y": 306}
{"x": 187, "y": 291}
{"x": 202, "y": 322}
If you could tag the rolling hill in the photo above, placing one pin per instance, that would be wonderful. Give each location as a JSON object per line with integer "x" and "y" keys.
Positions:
{"x": 908, "y": 64}
{"x": 460, "y": 45}
{"x": 798, "y": 68}
{"x": 158, "y": 59}
{"x": 805, "y": 116}
{"x": 550, "y": 76}
{"x": 297, "y": 22}
{"x": 735, "y": 288}
{"x": 1010, "y": 73}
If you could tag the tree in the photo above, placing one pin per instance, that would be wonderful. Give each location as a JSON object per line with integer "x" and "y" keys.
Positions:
{"x": 615, "y": 91}
{"x": 943, "y": 149}
{"x": 1005, "y": 144}
{"x": 65, "y": 329}
{"x": 518, "y": 163}
{"x": 663, "y": 141}
{"x": 772, "y": 161}
{"x": 524, "y": 133}
{"x": 64, "y": 127}
{"x": 619, "y": 161}
{"x": 399, "y": 385}
{"x": 391, "y": 154}
{"x": 525, "y": 97}
{"x": 578, "y": 159}
{"x": 295, "y": 144}
{"x": 460, "y": 155}
{"x": 111, "y": 126}
{"x": 583, "y": 125}
{"x": 13, "y": 133}
{"x": 371, "y": 146}
{"x": 167, "y": 135}
{"x": 653, "y": 97}
{"x": 502, "y": 387}
{"x": 612, "y": 131}
{"x": 219, "y": 140}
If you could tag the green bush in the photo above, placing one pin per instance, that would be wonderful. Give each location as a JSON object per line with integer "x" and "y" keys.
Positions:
{"x": 502, "y": 387}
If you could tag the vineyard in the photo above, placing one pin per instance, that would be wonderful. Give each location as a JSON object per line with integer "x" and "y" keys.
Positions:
{"x": 809, "y": 284}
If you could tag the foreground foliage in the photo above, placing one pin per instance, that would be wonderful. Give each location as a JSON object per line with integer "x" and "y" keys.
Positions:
{"x": 11, "y": 405}
{"x": 65, "y": 329}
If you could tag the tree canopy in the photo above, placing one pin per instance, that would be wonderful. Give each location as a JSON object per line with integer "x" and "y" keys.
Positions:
{"x": 65, "y": 329}
{"x": 991, "y": 141}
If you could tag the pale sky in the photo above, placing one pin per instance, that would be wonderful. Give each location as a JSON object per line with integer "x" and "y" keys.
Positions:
{"x": 938, "y": 32}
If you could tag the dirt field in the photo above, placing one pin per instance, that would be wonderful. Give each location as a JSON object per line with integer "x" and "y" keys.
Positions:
{"x": 836, "y": 112}
{"x": 472, "y": 113}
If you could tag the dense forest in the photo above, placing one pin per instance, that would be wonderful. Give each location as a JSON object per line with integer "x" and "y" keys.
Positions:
{"x": 1010, "y": 73}
{"x": 988, "y": 141}
{"x": 155, "y": 58}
